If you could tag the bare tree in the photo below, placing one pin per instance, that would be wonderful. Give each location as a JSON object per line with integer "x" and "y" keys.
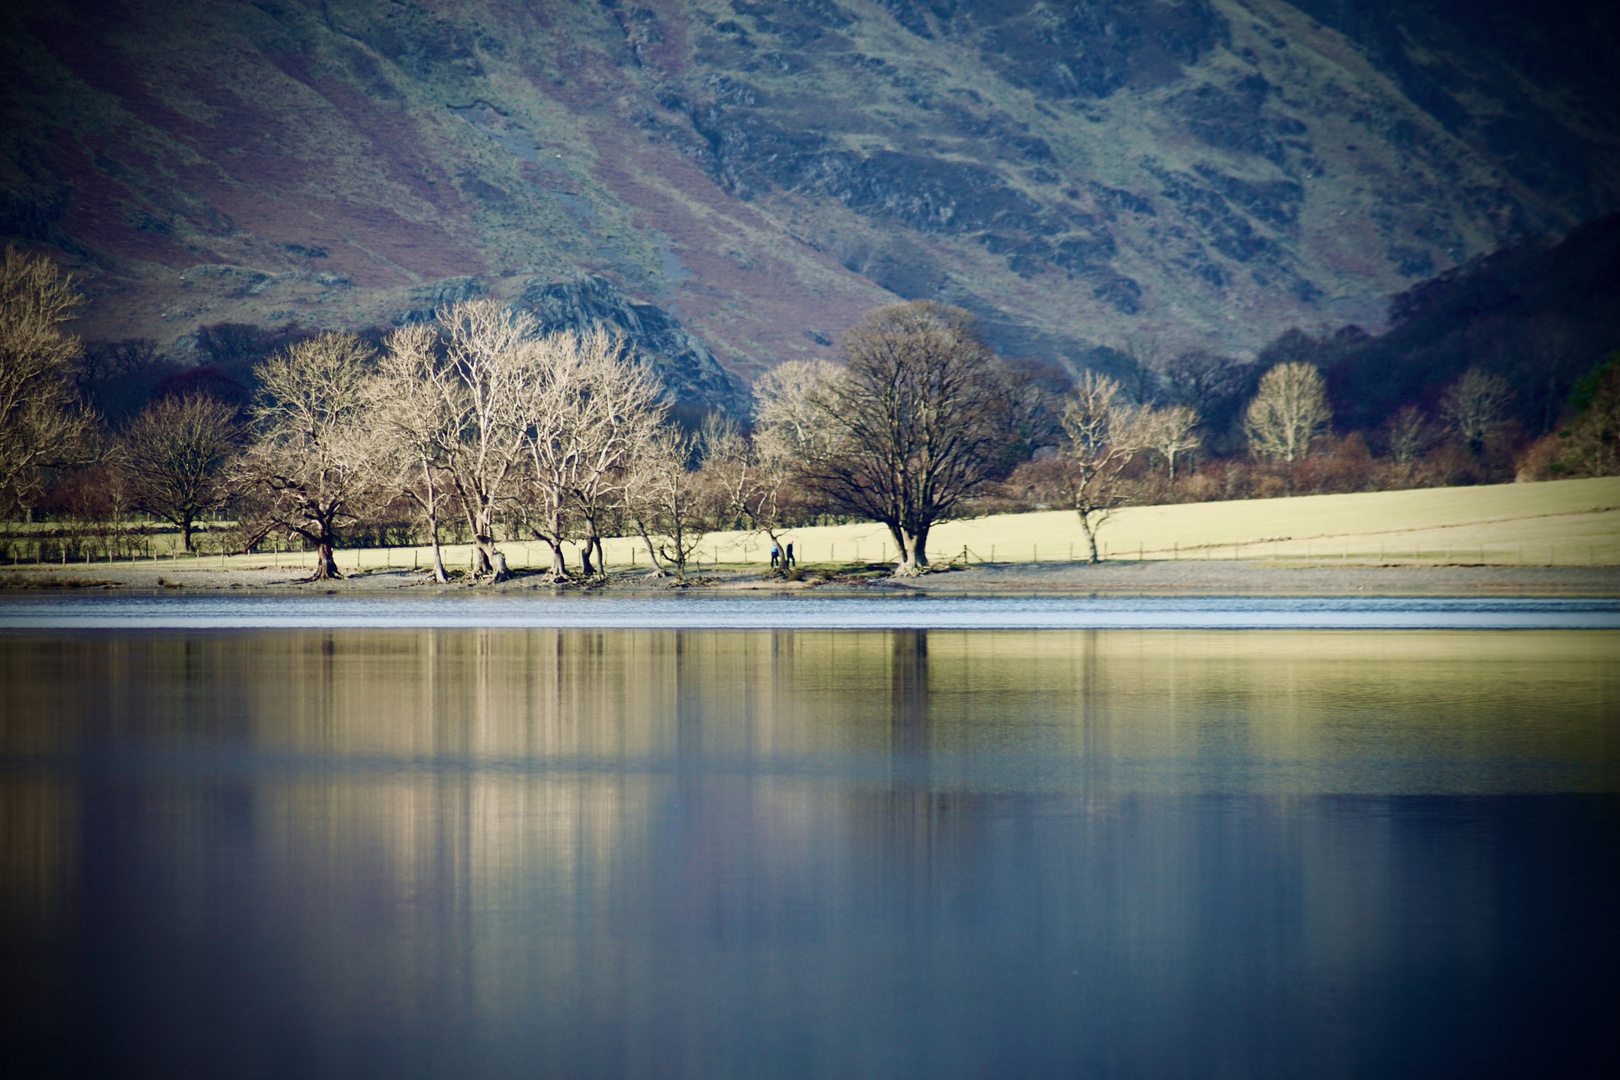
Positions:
{"x": 789, "y": 432}
{"x": 673, "y": 505}
{"x": 1198, "y": 377}
{"x": 1104, "y": 435}
{"x": 43, "y": 425}
{"x": 1475, "y": 407}
{"x": 1408, "y": 434}
{"x": 317, "y": 451}
{"x": 174, "y": 453}
{"x": 586, "y": 409}
{"x": 1172, "y": 430}
{"x": 1144, "y": 359}
{"x": 788, "y": 410}
{"x": 1022, "y": 405}
{"x": 1288, "y": 411}
{"x": 914, "y": 430}
{"x": 733, "y": 467}
{"x": 415, "y": 423}
{"x": 484, "y": 386}
{"x": 621, "y": 413}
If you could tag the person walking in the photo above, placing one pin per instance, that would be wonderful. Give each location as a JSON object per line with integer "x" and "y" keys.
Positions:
{"x": 789, "y": 559}
{"x": 776, "y": 554}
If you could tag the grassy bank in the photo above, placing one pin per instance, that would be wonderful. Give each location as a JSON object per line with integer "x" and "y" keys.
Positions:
{"x": 1561, "y": 523}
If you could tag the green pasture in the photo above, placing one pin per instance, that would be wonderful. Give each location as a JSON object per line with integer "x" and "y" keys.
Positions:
{"x": 1559, "y": 523}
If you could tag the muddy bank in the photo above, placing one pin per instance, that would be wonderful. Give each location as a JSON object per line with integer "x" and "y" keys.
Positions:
{"x": 1120, "y": 578}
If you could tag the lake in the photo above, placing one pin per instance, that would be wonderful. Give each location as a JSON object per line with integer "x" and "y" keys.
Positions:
{"x": 879, "y": 841}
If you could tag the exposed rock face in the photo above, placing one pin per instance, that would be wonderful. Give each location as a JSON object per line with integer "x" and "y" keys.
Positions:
{"x": 1203, "y": 172}
{"x": 681, "y": 360}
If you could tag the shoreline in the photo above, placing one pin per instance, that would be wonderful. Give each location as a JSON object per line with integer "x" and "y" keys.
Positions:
{"x": 1121, "y": 577}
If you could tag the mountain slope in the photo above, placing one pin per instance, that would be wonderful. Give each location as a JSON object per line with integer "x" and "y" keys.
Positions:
{"x": 755, "y": 175}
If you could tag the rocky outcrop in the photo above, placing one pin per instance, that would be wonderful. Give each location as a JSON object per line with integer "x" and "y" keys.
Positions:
{"x": 688, "y": 369}
{"x": 428, "y": 300}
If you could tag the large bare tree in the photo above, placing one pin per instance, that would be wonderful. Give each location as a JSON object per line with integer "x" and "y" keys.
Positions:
{"x": 316, "y": 453}
{"x": 175, "y": 452}
{"x": 43, "y": 425}
{"x": 485, "y": 384}
{"x": 588, "y": 409}
{"x": 1287, "y": 412}
{"x": 913, "y": 430}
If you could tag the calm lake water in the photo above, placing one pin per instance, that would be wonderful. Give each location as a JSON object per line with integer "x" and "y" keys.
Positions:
{"x": 457, "y": 850}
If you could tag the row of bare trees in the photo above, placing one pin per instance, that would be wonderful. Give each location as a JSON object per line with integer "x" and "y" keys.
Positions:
{"x": 481, "y": 420}
{"x": 478, "y": 414}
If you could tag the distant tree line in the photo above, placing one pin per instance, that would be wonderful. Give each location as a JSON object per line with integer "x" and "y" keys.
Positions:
{"x": 484, "y": 428}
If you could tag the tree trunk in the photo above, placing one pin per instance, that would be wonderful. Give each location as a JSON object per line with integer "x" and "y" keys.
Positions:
{"x": 652, "y": 551}
{"x": 1090, "y": 529}
{"x": 185, "y": 536}
{"x": 586, "y": 568}
{"x": 559, "y": 565}
{"x": 913, "y": 560}
{"x": 325, "y": 564}
{"x": 483, "y": 552}
{"x": 554, "y": 538}
{"x": 497, "y": 562}
{"x": 591, "y": 560}
{"x": 439, "y": 574}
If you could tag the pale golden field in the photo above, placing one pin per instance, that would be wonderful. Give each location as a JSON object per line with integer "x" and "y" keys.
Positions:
{"x": 1560, "y": 523}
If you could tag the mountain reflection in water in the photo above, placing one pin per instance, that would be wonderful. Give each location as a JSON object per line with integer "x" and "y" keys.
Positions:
{"x": 809, "y": 853}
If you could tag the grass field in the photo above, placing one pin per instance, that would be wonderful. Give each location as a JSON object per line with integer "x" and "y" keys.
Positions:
{"x": 1561, "y": 523}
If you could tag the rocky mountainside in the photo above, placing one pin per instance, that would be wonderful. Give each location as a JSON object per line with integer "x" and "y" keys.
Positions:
{"x": 732, "y": 182}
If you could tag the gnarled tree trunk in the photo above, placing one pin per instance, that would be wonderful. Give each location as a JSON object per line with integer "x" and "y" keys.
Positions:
{"x": 326, "y": 568}
{"x": 913, "y": 547}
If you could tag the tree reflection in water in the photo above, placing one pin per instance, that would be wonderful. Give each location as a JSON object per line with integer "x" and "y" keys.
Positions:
{"x": 908, "y": 852}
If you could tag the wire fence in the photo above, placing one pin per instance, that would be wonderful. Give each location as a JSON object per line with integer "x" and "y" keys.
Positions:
{"x": 70, "y": 550}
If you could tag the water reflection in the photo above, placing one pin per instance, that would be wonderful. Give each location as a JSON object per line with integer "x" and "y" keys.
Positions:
{"x": 904, "y": 852}
{"x": 1142, "y": 711}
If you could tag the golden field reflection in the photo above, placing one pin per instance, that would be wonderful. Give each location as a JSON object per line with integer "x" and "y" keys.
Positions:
{"x": 1259, "y": 711}
{"x": 685, "y": 845}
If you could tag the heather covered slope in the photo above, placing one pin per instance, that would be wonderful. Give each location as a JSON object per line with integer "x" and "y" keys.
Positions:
{"x": 734, "y": 182}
